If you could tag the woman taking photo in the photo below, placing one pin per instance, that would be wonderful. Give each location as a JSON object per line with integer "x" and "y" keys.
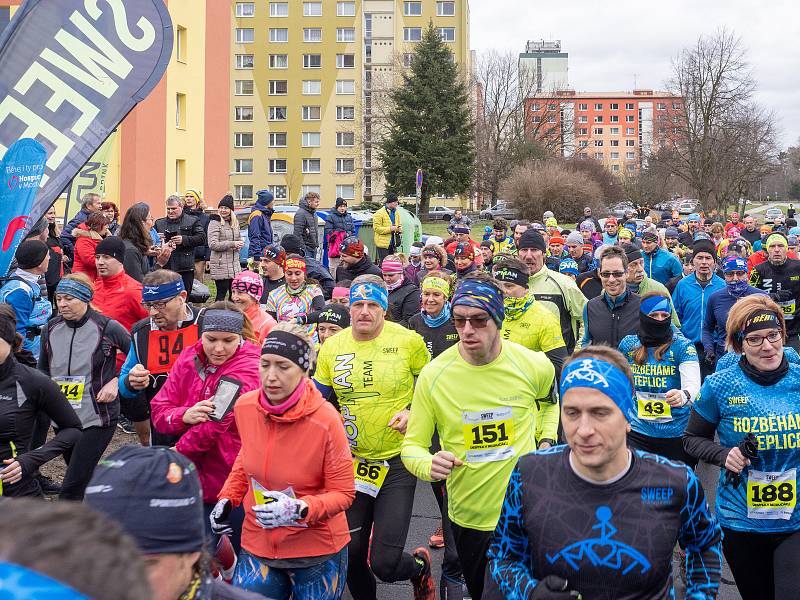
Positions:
{"x": 666, "y": 377}
{"x": 139, "y": 248}
{"x": 297, "y": 297}
{"x": 87, "y": 236}
{"x": 294, "y": 541}
{"x": 753, "y": 408}
{"x": 25, "y": 393}
{"x": 110, "y": 210}
{"x": 225, "y": 241}
{"x": 224, "y": 361}
{"x": 79, "y": 352}
{"x": 58, "y": 260}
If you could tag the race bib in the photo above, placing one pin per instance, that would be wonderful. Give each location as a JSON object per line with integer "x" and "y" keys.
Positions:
{"x": 369, "y": 476}
{"x": 788, "y": 308}
{"x": 72, "y": 387}
{"x": 651, "y": 406}
{"x": 489, "y": 435}
{"x": 771, "y": 495}
{"x": 164, "y": 347}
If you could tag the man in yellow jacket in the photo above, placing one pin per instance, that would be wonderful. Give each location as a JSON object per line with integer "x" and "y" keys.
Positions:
{"x": 387, "y": 228}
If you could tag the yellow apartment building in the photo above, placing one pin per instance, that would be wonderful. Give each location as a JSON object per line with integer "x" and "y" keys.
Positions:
{"x": 308, "y": 87}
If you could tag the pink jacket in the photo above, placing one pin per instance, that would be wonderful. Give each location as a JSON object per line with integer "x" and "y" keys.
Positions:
{"x": 212, "y": 446}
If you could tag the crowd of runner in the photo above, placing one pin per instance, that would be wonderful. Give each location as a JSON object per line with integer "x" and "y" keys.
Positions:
{"x": 557, "y": 389}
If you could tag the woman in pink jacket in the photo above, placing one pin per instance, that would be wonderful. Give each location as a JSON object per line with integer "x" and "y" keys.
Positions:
{"x": 195, "y": 401}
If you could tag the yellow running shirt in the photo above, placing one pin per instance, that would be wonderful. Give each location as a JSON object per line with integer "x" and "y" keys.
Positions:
{"x": 485, "y": 415}
{"x": 373, "y": 381}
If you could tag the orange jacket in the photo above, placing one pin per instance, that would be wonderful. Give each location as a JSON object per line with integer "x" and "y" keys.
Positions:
{"x": 262, "y": 322}
{"x": 305, "y": 448}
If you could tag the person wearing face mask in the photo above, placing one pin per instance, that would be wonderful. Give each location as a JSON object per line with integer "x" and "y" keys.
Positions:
{"x": 666, "y": 376}
{"x": 414, "y": 265}
{"x": 734, "y": 270}
{"x": 403, "y": 294}
{"x": 464, "y": 259}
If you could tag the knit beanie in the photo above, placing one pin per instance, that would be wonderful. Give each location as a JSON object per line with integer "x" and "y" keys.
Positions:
{"x": 706, "y": 246}
{"x": 575, "y": 238}
{"x": 112, "y": 246}
{"x": 532, "y": 239}
{"x": 227, "y": 201}
{"x": 30, "y": 254}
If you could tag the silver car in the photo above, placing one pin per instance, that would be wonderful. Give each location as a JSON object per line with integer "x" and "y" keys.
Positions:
{"x": 501, "y": 209}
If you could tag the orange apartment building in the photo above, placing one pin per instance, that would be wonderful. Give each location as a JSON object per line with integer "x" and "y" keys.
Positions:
{"x": 619, "y": 129}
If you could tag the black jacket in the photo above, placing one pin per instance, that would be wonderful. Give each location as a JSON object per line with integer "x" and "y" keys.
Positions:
{"x": 305, "y": 226}
{"x": 136, "y": 264}
{"x": 25, "y": 393}
{"x": 363, "y": 267}
{"x": 606, "y": 325}
{"x": 589, "y": 283}
{"x": 201, "y": 252}
{"x": 316, "y": 270}
{"x": 191, "y": 230}
{"x": 403, "y": 303}
{"x": 437, "y": 339}
{"x": 782, "y": 283}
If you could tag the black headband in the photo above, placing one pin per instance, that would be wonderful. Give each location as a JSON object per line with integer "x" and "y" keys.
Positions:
{"x": 511, "y": 275}
{"x": 761, "y": 319}
{"x": 289, "y": 346}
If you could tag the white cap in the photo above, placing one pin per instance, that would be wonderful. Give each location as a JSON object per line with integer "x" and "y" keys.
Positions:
{"x": 415, "y": 251}
{"x": 434, "y": 240}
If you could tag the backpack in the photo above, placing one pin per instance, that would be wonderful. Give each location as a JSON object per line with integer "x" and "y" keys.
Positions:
{"x": 334, "y": 239}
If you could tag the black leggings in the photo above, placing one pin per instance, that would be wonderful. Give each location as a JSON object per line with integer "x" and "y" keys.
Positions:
{"x": 471, "y": 545}
{"x": 387, "y": 518}
{"x": 671, "y": 448}
{"x": 223, "y": 288}
{"x": 82, "y": 458}
{"x": 764, "y": 565}
{"x": 188, "y": 280}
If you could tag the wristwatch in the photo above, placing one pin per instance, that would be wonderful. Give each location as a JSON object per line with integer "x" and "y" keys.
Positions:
{"x": 547, "y": 441}
{"x": 688, "y": 396}
{"x": 302, "y": 511}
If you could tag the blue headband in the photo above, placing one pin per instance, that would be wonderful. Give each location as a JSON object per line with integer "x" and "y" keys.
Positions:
{"x": 76, "y": 289}
{"x": 655, "y": 303}
{"x": 170, "y": 289}
{"x": 370, "y": 292}
{"x": 603, "y": 376}
{"x": 482, "y": 295}
{"x": 734, "y": 263}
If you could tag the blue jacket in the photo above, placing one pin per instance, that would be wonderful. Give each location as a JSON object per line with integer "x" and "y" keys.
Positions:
{"x": 719, "y": 305}
{"x": 259, "y": 228}
{"x": 24, "y": 294}
{"x": 662, "y": 265}
{"x": 67, "y": 239}
{"x": 690, "y": 300}
{"x": 337, "y": 222}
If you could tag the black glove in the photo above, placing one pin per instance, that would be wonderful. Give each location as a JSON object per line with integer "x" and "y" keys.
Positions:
{"x": 220, "y": 516}
{"x": 782, "y": 295}
{"x": 553, "y": 587}
{"x": 711, "y": 357}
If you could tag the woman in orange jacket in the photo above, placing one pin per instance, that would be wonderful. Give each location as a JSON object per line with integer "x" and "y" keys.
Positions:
{"x": 294, "y": 476}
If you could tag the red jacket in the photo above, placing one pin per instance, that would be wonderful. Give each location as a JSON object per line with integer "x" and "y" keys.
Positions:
{"x": 212, "y": 446}
{"x": 321, "y": 474}
{"x": 85, "y": 245}
{"x": 120, "y": 298}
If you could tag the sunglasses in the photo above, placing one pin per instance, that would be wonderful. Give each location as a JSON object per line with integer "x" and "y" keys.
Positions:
{"x": 614, "y": 274}
{"x": 475, "y": 322}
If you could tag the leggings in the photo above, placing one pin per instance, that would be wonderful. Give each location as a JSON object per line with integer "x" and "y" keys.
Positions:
{"x": 386, "y": 518}
{"x": 82, "y": 458}
{"x": 671, "y": 448}
{"x": 472, "y": 545}
{"x": 324, "y": 581}
{"x": 236, "y": 520}
{"x": 223, "y": 288}
{"x": 764, "y": 565}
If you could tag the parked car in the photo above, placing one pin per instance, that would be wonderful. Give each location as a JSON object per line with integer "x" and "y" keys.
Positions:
{"x": 282, "y": 223}
{"x": 501, "y": 209}
{"x": 440, "y": 213}
{"x": 771, "y": 214}
{"x": 687, "y": 207}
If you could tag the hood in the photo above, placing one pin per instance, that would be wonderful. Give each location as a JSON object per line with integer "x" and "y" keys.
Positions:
{"x": 304, "y": 205}
{"x": 309, "y": 402}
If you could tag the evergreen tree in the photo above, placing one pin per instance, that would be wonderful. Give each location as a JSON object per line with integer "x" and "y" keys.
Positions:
{"x": 429, "y": 126}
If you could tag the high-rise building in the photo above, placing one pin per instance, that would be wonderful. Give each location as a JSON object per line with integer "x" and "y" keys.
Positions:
{"x": 309, "y": 81}
{"x": 619, "y": 129}
{"x": 545, "y": 66}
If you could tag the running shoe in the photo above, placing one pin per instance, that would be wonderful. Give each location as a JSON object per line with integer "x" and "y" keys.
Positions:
{"x": 125, "y": 425}
{"x": 437, "y": 539}
{"x": 49, "y": 487}
{"x": 424, "y": 588}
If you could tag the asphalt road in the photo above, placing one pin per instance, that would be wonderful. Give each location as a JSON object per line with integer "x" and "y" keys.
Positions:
{"x": 425, "y": 520}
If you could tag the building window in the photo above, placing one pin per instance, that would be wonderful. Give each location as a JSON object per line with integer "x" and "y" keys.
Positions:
{"x": 277, "y": 139}
{"x": 445, "y": 9}
{"x": 662, "y": 131}
{"x": 345, "y": 165}
{"x": 536, "y": 119}
{"x": 534, "y": 107}
{"x": 614, "y": 168}
{"x": 244, "y": 87}
{"x": 551, "y": 107}
{"x": 311, "y": 139}
{"x": 245, "y": 9}
{"x": 551, "y": 119}
{"x": 345, "y": 86}
{"x": 277, "y": 165}
{"x": 632, "y": 168}
{"x": 630, "y": 155}
{"x": 244, "y": 61}
{"x": 312, "y": 87}
{"x": 348, "y": 192}
{"x": 312, "y": 34}
{"x": 243, "y": 140}
{"x": 661, "y": 106}
{"x": 345, "y": 139}
{"x": 412, "y": 34}
{"x": 312, "y": 9}
{"x": 583, "y": 143}
{"x": 614, "y": 155}
{"x": 345, "y": 34}
{"x": 311, "y": 165}
{"x": 630, "y": 143}
{"x": 676, "y": 106}
{"x": 180, "y": 43}
{"x": 614, "y": 118}
{"x": 180, "y": 111}
{"x": 312, "y": 113}
{"x": 583, "y": 119}
{"x": 278, "y": 61}
{"x": 630, "y": 118}
{"x": 278, "y": 35}
{"x": 243, "y": 165}
{"x": 345, "y": 61}
{"x": 245, "y": 35}
{"x": 630, "y": 131}
{"x": 598, "y": 106}
{"x": 345, "y": 9}
{"x": 278, "y": 191}
{"x": 629, "y": 106}
{"x": 614, "y": 142}
{"x": 598, "y": 143}
{"x": 598, "y": 156}
{"x": 345, "y": 113}
{"x": 278, "y": 9}
{"x": 277, "y": 113}
{"x": 614, "y": 106}
{"x": 412, "y": 9}
{"x": 312, "y": 61}
{"x": 243, "y": 113}
{"x": 278, "y": 87}
{"x": 615, "y": 131}
{"x": 583, "y": 131}
{"x": 242, "y": 192}
{"x": 583, "y": 106}
{"x": 448, "y": 34}
{"x": 598, "y": 118}
{"x": 408, "y": 58}
{"x": 598, "y": 131}
{"x": 310, "y": 188}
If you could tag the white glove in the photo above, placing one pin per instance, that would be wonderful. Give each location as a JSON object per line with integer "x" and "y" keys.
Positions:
{"x": 219, "y": 517}
{"x": 283, "y": 511}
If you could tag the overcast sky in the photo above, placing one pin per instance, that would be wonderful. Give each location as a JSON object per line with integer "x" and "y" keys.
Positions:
{"x": 610, "y": 43}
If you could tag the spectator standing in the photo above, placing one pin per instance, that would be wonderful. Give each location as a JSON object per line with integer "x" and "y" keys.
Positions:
{"x": 338, "y": 225}
{"x": 88, "y": 235}
{"x": 588, "y": 216}
{"x": 89, "y": 203}
{"x": 58, "y": 260}
{"x": 459, "y": 218}
{"x": 194, "y": 205}
{"x": 184, "y": 233}
{"x": 387, "y": 227}
{"x": 225, "y": 242}
{"x": 139, "y": 247}
{"x": 305, "y": 224}
{"x": 259, "y": 225}
{"x": 110, "y": 210}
